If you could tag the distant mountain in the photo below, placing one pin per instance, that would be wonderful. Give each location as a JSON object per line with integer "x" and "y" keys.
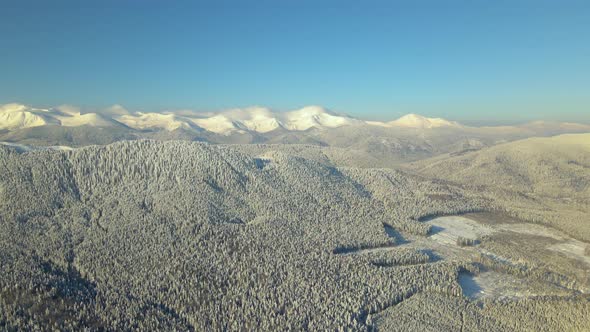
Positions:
{"x": 315, "y": 117}
{"x": 263, "y": 120}
{"x": 409, "y": 138}
{"x": 253, "y": 120}
{"x": 151, "y": 121}
{"x": 418, "y": 121}
{"x": 17, "y": 116}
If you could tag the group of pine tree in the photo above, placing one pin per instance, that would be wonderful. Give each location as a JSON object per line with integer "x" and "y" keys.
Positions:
{"x": 146, "y": 235}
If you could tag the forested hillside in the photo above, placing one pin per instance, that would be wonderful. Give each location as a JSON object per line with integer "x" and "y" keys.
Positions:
{"x": 555, "y": 166}
{"x": 149, "y": 235}
{"x": 547, "y": 179}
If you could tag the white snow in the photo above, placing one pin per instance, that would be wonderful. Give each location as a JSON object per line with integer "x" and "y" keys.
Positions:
{"x": 251, "y": 119}
{"x": 257, "y": 119}
{"x": 314, "y": 117}
{"x": 263, "y": 120}
{"x": 28, "y": 148}
{"x": 89, "y": 119}
{"x": 115, "y": 110}
{"x": 16, "y": 116}
{"x": 142, "y": 121}
{"x": 447, "y": 229}
{"x": 421, "y": 122}
{"x": 219, "y": 124}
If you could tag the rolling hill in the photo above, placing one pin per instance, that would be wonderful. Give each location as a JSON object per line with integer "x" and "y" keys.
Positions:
{"x": 545, "y": 179}
{"x": 556, "y": 166}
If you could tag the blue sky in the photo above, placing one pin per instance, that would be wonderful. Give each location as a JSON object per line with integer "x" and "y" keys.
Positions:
{"x": 473, "y": 61}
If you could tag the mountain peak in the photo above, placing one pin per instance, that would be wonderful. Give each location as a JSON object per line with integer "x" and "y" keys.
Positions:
{"x": 413, "y": 116}
{"x": 115, "y": 110}
{"x": 13, "y": 107}
{"x": 312, "y": 110}
{"x": 418, "y": 121}
{"x": 314, "y": 117}
{"x": 16, "y": 116}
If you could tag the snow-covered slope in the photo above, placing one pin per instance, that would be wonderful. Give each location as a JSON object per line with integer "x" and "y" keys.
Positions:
{"x": 18, "y": 116}
{"x": 253, "y": 120}
{"x": 27, "y": 148}
{"x": 263, "y": 120}
{"x": 256, "y": 119}
{"x": 144, "y": 121}
{"x": 218, "y": 124}
{"x": 70, "y": 116}
{"x": 421, "y": 122}
{"x": 315, "y": 117}
{"x": 90, "y": 119}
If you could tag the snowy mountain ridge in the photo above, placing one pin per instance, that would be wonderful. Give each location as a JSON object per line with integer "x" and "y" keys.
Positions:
{"x": 251, "y": 119}
{"x": 255, "y": 119}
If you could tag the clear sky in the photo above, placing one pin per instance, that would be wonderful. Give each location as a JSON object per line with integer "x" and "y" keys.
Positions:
{"x": 472, "y": 60}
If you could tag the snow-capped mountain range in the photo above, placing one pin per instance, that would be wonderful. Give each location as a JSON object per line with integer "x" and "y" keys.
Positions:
{"x": 252, "y": 119}
{"x": 257, "y": 120}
